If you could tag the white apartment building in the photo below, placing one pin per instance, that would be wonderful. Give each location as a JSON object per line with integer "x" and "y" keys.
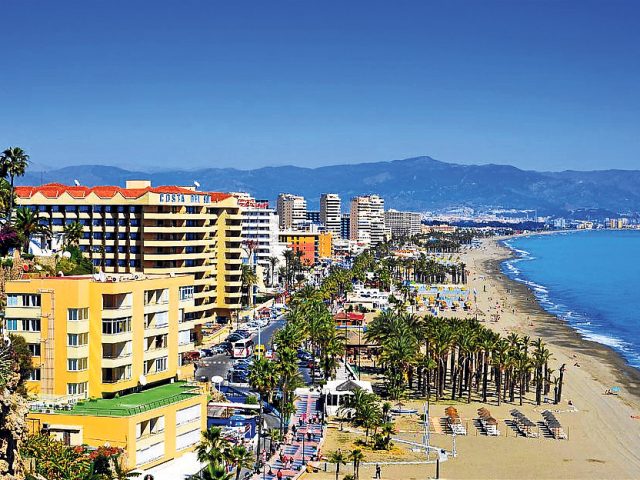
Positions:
{"x": 259, "y": 229}
{"x": 367, "y": 219}
{"x": 330, "y": 213}
{"x": 402, "y": 224}
{"x": 292, "y": 211}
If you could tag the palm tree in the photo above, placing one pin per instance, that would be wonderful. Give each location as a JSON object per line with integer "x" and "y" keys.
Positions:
{"x": 248, "y": 279}
{"x": 27, "y": 224}
{"x": 263, "y": 378}
{"x": 356, "y": 456}
{"x": 73, "y": 233}
{"x": 6, "y": 198}
{"x": 212, "y": 447}
{"x": 213, "y": 471}
{"x": 240, "y": 458}
{"x": 119, "y": 470}
{"x": 338, "y": 458}
{"x": 13, "y": 163}
{"x": 273, "y": 262}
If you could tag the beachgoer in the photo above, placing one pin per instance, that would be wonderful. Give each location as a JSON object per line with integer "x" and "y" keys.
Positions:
{"x": 378, "y": 474}
{"x": 279, "y": 474}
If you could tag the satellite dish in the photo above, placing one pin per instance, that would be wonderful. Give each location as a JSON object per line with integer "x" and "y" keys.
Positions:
{"x": 103, "y": 277}
{"x": 38, "y": 267}
{"x": 77, "y": 183}
{"x": 60, "y": 274}
{"x": 217, "y": 379}
{"x": 142, "y": 380}
{"x": 66, "y": 254}
{"x": 196, "y": 183}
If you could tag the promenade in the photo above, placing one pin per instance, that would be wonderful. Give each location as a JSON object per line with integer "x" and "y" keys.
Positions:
{"x": 304, "y": 445}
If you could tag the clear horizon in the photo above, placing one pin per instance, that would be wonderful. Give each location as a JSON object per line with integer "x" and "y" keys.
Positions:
{"x": 544, "y": 86}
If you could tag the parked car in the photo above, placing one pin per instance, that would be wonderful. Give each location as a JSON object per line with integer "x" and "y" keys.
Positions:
{"x": 242, "y": 333}
{"x": 206, "y": 352}
{"x": 218, "y": 349}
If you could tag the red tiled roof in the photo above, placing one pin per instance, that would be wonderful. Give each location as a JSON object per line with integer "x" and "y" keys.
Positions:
{"x": 55, "y": 190}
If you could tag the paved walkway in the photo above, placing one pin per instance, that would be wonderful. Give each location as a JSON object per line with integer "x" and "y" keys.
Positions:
{"x": 306, "y": 409}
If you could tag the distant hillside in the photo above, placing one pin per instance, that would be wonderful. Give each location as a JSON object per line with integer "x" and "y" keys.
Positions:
{"x": 420, "y": 184}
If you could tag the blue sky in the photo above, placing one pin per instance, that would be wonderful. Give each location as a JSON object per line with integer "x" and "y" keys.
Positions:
{"x": 540, "y": 85}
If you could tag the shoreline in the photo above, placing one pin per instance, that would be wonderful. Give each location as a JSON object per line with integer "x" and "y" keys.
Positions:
{"x": 558, "y": 331}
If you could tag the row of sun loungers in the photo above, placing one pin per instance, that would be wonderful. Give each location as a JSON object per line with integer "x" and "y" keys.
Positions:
{"x": 523, "y": 424}
{"x": 454, "y": 422}
{"x": 553, "y": 425}
{"x": 489, "y": 424}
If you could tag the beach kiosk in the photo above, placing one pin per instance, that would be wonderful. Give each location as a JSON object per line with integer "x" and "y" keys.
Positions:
{"x": 335, "y": 393}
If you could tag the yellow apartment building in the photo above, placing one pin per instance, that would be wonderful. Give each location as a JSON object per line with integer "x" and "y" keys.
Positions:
{"x": 154, "y": 230}
{"x": 106, "y": 355}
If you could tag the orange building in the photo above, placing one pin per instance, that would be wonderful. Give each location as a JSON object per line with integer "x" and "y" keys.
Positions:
{"x": 314, "y": 246}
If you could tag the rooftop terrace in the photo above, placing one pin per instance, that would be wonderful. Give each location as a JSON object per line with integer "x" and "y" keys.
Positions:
{"x": 133, "y": 403}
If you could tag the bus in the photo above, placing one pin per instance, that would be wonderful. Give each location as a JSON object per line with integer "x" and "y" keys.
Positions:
{"x": 242, "y": 348}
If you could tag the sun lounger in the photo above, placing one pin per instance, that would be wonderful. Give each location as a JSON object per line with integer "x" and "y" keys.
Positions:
{"x": 454, "y": 422}
{"x": 553, "y": 425}
{"x": 489, "y": 424}
{"x": 523, "y": 424}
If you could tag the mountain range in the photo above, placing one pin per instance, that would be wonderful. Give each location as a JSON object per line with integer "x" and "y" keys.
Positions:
{"x": 418, "y": 184}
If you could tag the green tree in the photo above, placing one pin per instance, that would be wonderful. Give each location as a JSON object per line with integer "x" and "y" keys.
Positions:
{"x": 356, "y": 456}
{"x": 248, "y": 278}
{"x": 27, "y": 224}
{"x": 13, "y": 163}
{"x": 72, "y": 233}
{"x": 338, "y": 458}
{"x": 240, "y": 458}
{"x": 212, "y": 447}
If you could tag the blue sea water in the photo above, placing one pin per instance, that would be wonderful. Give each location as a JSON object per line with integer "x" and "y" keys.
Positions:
{"x": 590, "y": 279}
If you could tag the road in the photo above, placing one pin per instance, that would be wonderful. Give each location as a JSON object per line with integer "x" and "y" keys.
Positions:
{"x": 219, "y": 365}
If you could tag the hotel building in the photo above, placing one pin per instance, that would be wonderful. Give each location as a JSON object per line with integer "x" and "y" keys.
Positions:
{"x": 330, "y": 213}
{"x": 259, "y": 229}
{"x": 367, "y": 219}
{"x": 292, "y": 211}
{"x": 154, "y": 230}
{"x": 402, "y": 224}
{"x": 106, "y": 357}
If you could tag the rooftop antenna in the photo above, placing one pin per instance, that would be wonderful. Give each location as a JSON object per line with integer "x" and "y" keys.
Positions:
{"x": 77, "y": 183}
{"x": 196, "y": 183}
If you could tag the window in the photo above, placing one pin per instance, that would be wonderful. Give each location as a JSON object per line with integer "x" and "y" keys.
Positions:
{"x": 116, "y": 325}
{"x": 186, "y": 293}
{"x": 77, "y": 314}
{"x": 161, "y": 364}
{"x": 187, "y": 439}
{"x": 26, "y": 325}
{"x": 188, "y": 414}
{"x": 76, "y": 364}
{"x": 184, "y": 337}
{"x": 23, "y": 300}
{"x": 34, "y": 375}
{"x": 77, "y": 339}
{"x": 76, "y": 388}
{"x": 34, "y": 348}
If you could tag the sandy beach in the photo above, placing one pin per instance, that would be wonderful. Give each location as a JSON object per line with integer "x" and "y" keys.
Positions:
{"x": 603, "y": 435}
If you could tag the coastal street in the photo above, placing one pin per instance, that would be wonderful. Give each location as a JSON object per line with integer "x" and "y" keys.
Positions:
{"x": 219, "y": 365}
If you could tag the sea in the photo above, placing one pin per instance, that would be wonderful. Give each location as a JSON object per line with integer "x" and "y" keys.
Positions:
{"x": 590, "y": 279}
